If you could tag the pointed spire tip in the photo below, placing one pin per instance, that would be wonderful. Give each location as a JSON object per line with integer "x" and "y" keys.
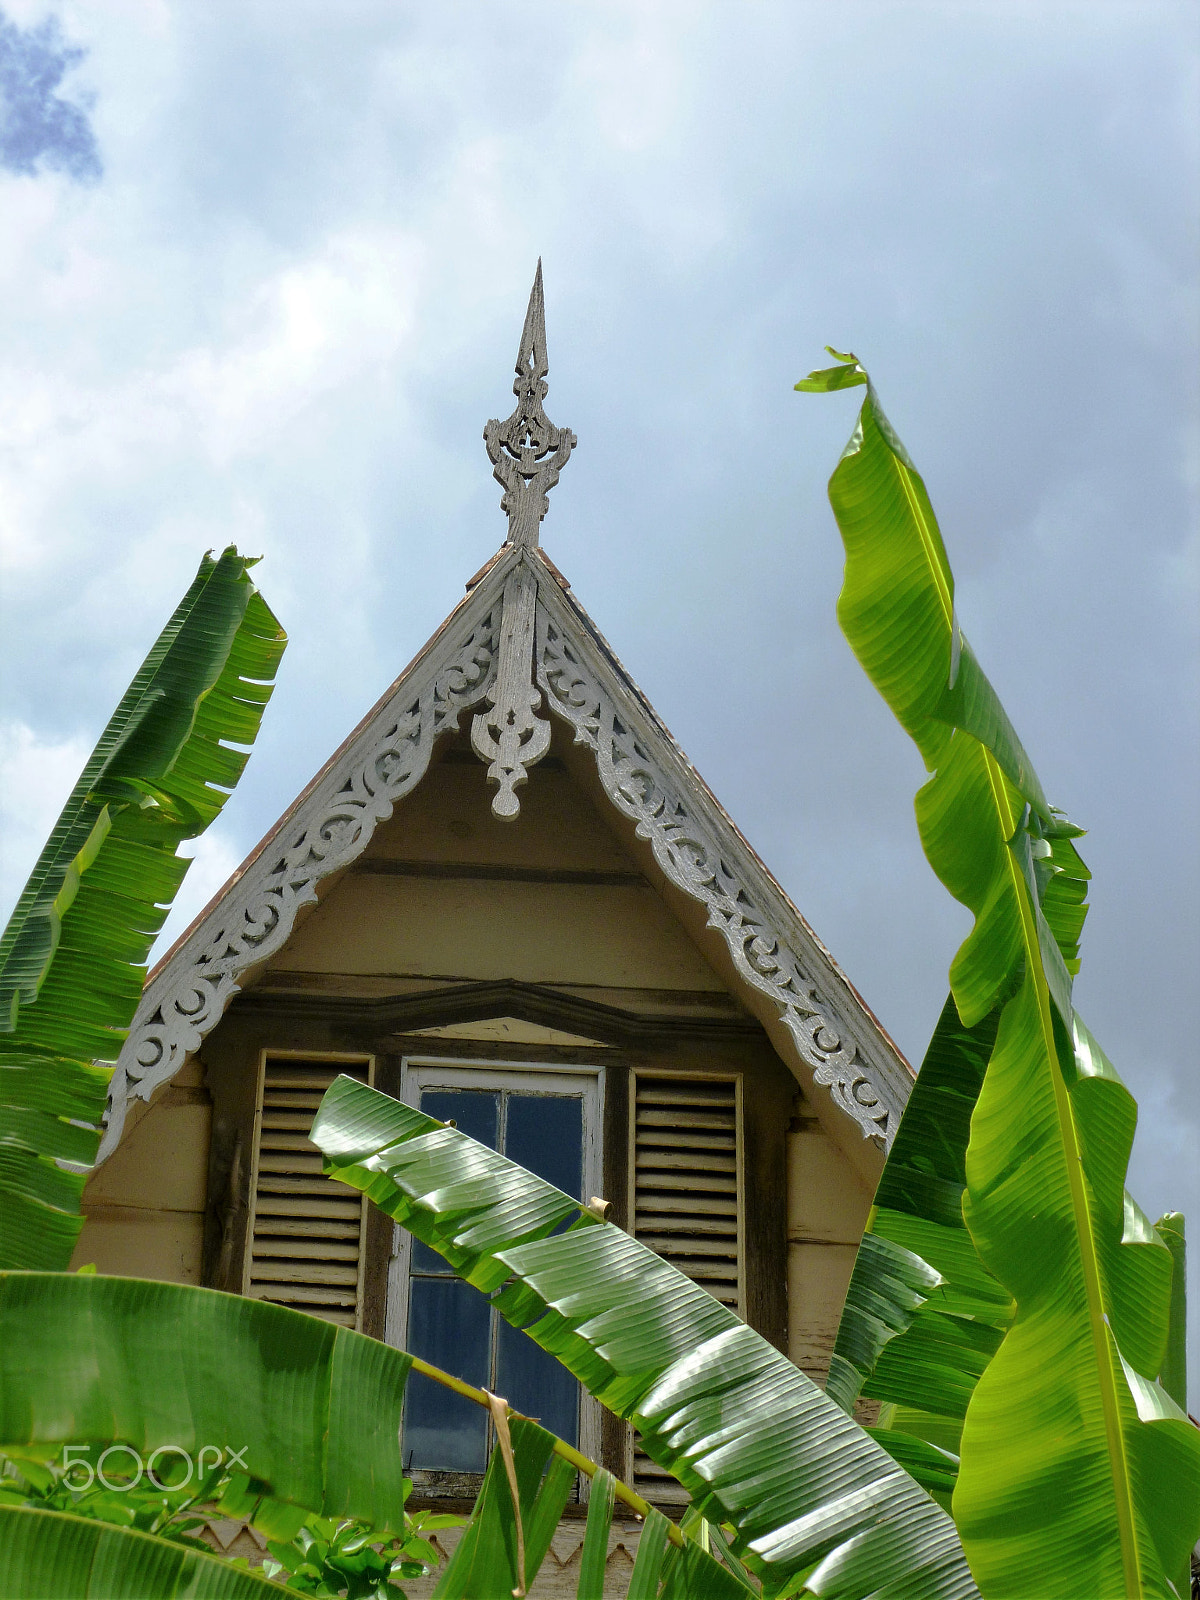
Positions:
{"x": 527, "y": 451}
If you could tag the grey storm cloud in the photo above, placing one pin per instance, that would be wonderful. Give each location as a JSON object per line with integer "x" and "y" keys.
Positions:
{"x": 38, "y": 127}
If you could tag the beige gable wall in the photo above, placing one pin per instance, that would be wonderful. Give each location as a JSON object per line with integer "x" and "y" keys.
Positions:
{"x": 145, "y": 1207}
{"x": 602, "y": 925}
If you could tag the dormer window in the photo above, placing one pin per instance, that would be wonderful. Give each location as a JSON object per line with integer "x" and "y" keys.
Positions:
{"x": 548, "y": 1120}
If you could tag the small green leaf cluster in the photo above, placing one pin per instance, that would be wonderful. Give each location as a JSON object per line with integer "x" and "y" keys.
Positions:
{"x": 328, "y": 1558}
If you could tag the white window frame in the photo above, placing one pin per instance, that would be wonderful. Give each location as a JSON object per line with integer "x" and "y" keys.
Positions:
{"x": 446, "y": 1072}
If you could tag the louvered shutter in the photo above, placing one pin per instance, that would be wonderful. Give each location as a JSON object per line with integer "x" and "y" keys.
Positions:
{"x": 306, "y": 1230}
{"x": 687, "y": 1199}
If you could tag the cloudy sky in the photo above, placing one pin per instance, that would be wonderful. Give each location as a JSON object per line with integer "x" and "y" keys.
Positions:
{"x": 263, "y": 268}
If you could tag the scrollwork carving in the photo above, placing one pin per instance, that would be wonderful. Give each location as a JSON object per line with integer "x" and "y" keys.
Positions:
{"x": 689, "y": 851}
{"x": 332, "y": 826}
{"x": 511, "y": 736}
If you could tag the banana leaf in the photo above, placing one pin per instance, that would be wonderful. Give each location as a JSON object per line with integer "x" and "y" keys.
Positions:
{"x": 1078, "y": 1473}
{"x": 1173, "y": 1372}
{"x": 72, "y": 957}
{"x": 757, "y": 1445}
{"x": 311, "y": 1412}
{"x": 923, "y": 1316}
{"x": 53, "y": 1556}
{"x": 300, "y": 1418}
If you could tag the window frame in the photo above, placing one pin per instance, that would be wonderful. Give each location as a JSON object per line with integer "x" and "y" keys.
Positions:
{"x": 434, "y": 1071}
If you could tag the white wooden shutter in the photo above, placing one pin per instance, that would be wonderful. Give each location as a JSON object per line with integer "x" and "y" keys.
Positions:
{"x": 306, "y": 1230}
{"x": 687, "y": 1199}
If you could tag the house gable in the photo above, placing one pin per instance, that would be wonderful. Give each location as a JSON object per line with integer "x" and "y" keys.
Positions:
{"x": 507, "y": 889}
{"x": 680, "y": 839}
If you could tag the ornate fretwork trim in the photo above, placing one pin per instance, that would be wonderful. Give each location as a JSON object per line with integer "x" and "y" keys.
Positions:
{"x": 527, "y": 451}
{"x": 641, "y": 771}
{"x": 699, "y": 853}
{"x": 332, "y": 825}
{"x": 511, "y": 736}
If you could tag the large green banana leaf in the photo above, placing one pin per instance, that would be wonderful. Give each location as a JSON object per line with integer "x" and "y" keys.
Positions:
{"x": 756, "y": 1444}
{"x": 309, "y": 1413}
{"x": 313, "y": 1410}
{"x": 72, "y": 958}
{"x": 46, "y": 1555}
{"x": 1173, "y": 1372}
{"x": 1078, "y": 1473}
{"x": 923, "y": 1316}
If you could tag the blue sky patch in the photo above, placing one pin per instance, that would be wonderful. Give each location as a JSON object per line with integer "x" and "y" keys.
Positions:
{"x": 38, "y": 128}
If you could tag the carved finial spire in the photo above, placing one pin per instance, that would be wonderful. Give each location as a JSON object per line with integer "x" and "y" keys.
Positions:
{"x": 527, "y": 451}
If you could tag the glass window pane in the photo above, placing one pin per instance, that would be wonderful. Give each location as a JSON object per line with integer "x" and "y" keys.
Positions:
{"x": 475, "y": 1112}
{"x": 537, "y": 1384}
{"x": 545, "y": 1134}
{"x": 448, "y": 1324}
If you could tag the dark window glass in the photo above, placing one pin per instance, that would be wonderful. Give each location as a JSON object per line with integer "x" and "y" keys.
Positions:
{"x": 453, "y": 1325}
{"x": 473, "y": 1111}
{"x": 532, "y": 1381}
{"x": 448, "y": 1324}
{"x": 545, "y": 1134}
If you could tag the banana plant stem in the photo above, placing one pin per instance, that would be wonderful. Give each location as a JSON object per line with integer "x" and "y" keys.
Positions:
{"x": 568, "y": 1452}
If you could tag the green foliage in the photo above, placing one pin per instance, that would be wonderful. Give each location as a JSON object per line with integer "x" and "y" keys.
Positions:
{"x": 329, "y": 1559}
{"x": 72, "y": 958}
{"x": 807, "y": 1494}
{"x": 51, "y": 1553}
{"x": 923, "y": 1316}
{"x": 1078, "y": 1473}
{"x": 131, "y": 1378}
{"x": 314, "y": 1410}
{"x": 324, "y": 1557}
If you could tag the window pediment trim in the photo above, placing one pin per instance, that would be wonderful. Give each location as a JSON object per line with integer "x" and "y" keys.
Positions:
{"x": 482, "y": 1002}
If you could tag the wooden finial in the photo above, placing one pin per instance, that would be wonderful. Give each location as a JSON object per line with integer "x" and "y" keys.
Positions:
{"x": 527, "y": 451}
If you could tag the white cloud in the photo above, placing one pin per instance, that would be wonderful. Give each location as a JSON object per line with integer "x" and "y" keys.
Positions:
{"x": 36, "y": 776}
{"x": 214, "y": 858}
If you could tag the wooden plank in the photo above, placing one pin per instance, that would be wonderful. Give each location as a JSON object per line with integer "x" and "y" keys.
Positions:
{"x": 683, "y": 1201}
{"x": 664, "y": 1139}
{"x": 288, "y": 1141}
{"x": 674, "y": 1159}
{"x": 670, "y": 1245}
{"x": 282, "y": 1183}
{"x": 302, "y": 1295}
{"x": 306, "y": 1228}
{"x": 333, "y": 1201}
{"x": 306, "y": 1249}
{"x": 721, "y": 1120}
{"x": 297, "y": 1082}
{"x": 654, "y": 1222}
{"x": 682, "y": 1180}
{"x": 692, "y": 1092}
{"x": 302, "y": 1165}
{"x": 305, "y": 1272}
